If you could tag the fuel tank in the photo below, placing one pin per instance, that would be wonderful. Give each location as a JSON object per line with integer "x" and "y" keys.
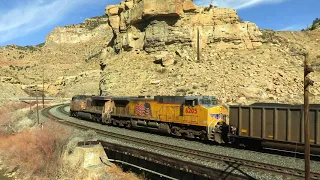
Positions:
{"x": 84, "y": 115}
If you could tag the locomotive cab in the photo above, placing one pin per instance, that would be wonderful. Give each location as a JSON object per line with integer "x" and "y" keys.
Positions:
{"x": 210, "y": 114}
{"x": 77, "y": 104}
{"x": 217, "y": 125}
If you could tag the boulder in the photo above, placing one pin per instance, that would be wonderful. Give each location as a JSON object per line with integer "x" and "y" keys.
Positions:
{"x": 156, "y": 35}
{"x": 155, "y": 82}
{"x": 129, "y": 4}
{"x": 114, "y": 22}
{"x": 113, "y": 11}
{"x": 181, "y": 53}
{"x": 224, "y": 15}
{"x": 167, "y": 61}
{"x": 189, "y": 6}
{"x": 132, "y": 39}
{"x": 164, "y": 59}
{"x": 122, "y": 6}
{"x": 146, "y": 9}
{"x": 160, "y": 56}
{"x": 169, "y": 8}
{"x": 251, "y": 92}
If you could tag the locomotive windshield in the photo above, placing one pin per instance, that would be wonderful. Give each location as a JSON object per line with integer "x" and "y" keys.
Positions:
{"x": 208, "y": 101}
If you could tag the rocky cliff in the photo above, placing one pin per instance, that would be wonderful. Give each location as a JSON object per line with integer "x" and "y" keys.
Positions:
{"x": 96, "y": 27}
{"x": 152, "y": 26}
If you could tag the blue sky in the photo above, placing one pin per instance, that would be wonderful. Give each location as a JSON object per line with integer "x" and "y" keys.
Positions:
{"x": 27, "y": 22}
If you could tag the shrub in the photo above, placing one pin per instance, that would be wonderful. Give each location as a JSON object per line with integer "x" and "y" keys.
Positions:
{"x": 36, "y": 152}
{"x": 7, "y": 109}
{"x": 315, "y": 24}
{"x": 116, "y": 172}
{"x": 317, "y": 20}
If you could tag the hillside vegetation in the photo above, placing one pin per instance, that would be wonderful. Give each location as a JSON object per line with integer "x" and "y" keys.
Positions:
{"x": 315, "y": 24}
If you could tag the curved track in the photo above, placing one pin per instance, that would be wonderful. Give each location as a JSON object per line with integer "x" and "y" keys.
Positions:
{"x": 192, "y": 154}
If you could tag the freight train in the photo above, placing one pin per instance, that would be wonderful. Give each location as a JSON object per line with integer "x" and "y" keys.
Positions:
{"x": 192, "y": 116}
{"x": 277, "y": 126}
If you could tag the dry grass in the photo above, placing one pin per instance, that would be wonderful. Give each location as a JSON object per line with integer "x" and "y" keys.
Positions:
{"x": 116, "y": 173}
{"x": 6, "y": 110}
{"x": 14, "y": 106}
{"x": 12, "y": 114}
{"x": 36, "y": 152}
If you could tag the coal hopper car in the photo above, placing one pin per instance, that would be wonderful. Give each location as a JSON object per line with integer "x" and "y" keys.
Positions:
{"x": 275, "y": 126}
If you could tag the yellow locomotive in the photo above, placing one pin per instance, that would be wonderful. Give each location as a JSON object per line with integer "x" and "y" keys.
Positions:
{"x": 189, "y": 116}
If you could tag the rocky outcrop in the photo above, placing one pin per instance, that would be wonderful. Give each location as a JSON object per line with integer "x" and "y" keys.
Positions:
{"x": 9, "y": 80}
{"x": 153, "y": 26}
{"x": 79, "y": 33}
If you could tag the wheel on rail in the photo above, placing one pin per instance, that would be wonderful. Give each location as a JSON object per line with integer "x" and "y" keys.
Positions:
{"x": 129, "y": 126}
{"x": 204, "y": 137}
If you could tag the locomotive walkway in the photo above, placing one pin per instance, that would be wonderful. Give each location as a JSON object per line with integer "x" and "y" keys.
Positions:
{"x": 212, "y": 166}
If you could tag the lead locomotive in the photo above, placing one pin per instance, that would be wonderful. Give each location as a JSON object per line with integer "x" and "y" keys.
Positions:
{"x": 189, "y": 116}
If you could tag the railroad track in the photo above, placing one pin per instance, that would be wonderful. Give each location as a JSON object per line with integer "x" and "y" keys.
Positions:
{"x": 193, "y": 155}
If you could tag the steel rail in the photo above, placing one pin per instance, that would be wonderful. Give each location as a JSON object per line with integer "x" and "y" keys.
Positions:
{"x": 196, "y": 154}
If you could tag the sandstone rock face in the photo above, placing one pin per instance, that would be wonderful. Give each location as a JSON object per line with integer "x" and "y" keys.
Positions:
{"x": 154, "y": 26}
{"x": 114, "y": 22}
{"x": 235, "y": 36}
{"x": 91, "y": 28}
{"x": 113, "y": 11}
{"x": 133, "y": 39}
{"x": 189, "y": 6}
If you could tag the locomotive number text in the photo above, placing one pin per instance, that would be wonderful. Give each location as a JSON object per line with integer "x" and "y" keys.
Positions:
{"x": 191, "y": 110}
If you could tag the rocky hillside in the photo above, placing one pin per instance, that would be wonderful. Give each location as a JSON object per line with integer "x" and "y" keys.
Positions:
{"x": 141, "y": 47}
{"x": 69, "y": 57}
{"x": 238, "y": 62}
